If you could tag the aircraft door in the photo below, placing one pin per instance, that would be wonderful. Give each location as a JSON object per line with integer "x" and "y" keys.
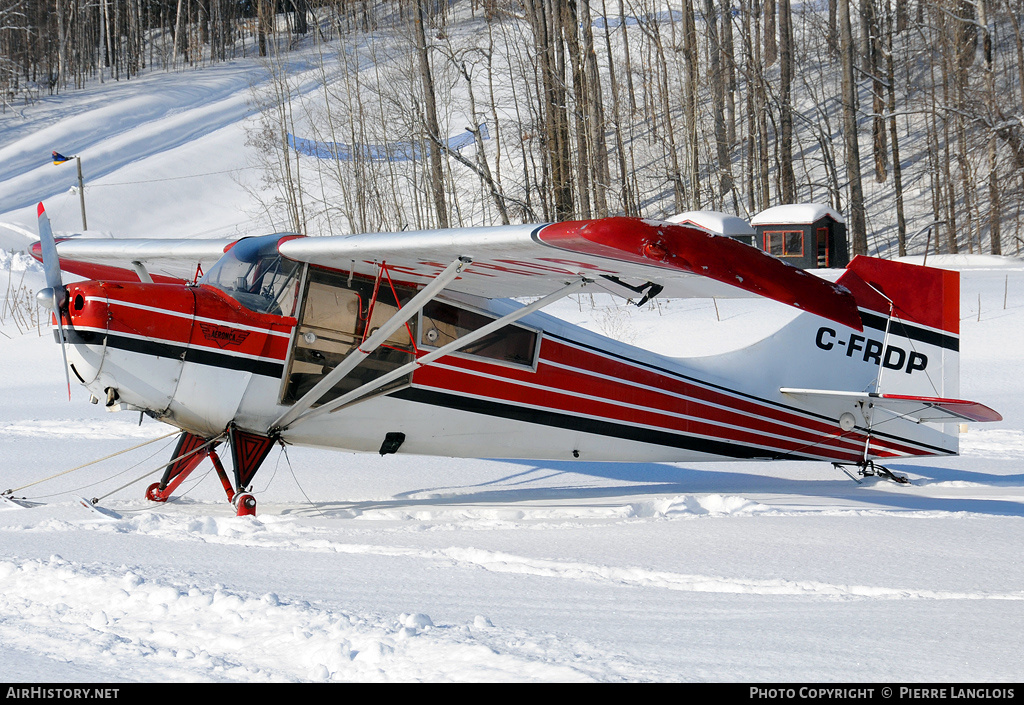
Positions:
{"x": 337, "y": 314}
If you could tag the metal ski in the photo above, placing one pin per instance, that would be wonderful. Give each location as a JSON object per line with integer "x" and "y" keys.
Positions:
{"x": 19, "y": 502}
{"x": 99, "y": 511}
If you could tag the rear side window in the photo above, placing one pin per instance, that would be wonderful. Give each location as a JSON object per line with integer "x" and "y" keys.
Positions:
{"x": 444, "y": 323}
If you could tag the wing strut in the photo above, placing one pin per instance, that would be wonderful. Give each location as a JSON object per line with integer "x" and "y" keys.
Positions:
{"x": 421, "y": 299}
{"x": 451, "y": 347}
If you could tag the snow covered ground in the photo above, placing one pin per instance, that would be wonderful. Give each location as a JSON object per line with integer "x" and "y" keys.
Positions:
{"x": 404, "y": 568}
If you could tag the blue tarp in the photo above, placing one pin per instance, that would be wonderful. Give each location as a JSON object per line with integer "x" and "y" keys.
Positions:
{"x": 390, "y": 152}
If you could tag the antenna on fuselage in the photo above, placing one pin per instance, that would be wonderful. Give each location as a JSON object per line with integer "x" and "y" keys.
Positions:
{"x": 55, "y": 296}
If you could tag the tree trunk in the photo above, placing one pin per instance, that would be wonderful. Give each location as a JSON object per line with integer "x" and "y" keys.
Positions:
{"x": 692, "y": 78}
{"x": 430, "y": 117}
{"x": 995, "y": 238}
{"x": 771, "y": 49}
{"x": 880, "y": 149}
{"x": 718, "y": 91}
{"x": 787, "y": 177}
{"x": 581, "y": 105}
{"x": 599, "y": 150}
{"x": 729, "y": 67}
{"x": 897, "y": 170}
{"x": 858, "y": 219}
{"x": 620, "y": 149}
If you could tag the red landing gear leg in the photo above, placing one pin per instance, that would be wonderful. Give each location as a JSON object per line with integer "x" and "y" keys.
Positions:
{"x": 248, "y": 451}
{"x": 190, "y": 451}
{"x": 224, "y": 481}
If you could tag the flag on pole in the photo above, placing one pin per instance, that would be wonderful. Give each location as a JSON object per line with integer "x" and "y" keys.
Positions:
{"x": 59, "y": 158}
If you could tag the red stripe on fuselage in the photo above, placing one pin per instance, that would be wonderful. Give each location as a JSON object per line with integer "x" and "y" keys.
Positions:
{"x": 200, "y": 317}
{"x": 576, "y": 381}
{"x": 750, "y": 408}
{"x": 576, "y": 392}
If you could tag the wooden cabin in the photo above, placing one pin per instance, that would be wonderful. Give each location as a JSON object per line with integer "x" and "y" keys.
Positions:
{"x": 807, "y": 235}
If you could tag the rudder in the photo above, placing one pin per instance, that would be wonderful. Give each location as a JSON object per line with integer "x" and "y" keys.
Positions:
{"x": 911, "y": 318}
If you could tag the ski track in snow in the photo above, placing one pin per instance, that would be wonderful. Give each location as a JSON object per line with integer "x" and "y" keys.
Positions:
{"x": 158, "y": 629}
{"x": 279, "y": 533}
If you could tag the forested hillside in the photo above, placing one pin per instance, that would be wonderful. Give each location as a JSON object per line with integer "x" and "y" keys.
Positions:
{"x": 906, "y": 115}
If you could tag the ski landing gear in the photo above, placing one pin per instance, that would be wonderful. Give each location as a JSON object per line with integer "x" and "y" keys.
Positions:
{"x": 248, "y": 451}
{"x": 869, "y": 468}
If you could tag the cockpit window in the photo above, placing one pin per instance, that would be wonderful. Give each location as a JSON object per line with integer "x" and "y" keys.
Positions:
{"x": 254, "y": 274}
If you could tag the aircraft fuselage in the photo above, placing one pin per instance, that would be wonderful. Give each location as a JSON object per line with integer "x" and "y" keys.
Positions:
{"x": 200, "y": 358}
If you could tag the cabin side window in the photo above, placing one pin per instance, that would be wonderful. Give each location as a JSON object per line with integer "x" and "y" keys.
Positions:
{"x": 443, "y": 323}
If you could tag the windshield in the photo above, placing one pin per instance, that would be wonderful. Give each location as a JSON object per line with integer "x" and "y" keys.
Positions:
{"x": 253, "y": 273}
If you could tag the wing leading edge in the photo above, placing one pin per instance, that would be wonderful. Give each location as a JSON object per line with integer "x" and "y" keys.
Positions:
{"x": 166, "y": 260}
{"x": 626, "y": 255}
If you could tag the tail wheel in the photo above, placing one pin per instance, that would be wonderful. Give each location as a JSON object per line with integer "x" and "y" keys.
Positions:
{"x": 245, "y": 505}
{"x": 153, "y": 493}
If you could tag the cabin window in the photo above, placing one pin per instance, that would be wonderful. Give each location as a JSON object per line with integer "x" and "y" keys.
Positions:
{"x": 444, "y": 323}
{"x": 784, "y": 243}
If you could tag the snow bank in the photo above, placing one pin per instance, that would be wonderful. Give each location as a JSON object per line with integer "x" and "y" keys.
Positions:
{"x": 157, "y": 630}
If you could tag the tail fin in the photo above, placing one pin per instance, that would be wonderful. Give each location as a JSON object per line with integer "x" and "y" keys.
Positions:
{"x": 911, "y": 317}
{"x": 897, "y": 380}
{"x": 889, "y": 387}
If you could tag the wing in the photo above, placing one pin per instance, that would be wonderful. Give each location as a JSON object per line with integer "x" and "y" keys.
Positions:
{"x": 625, "y": 255}
{"x": 165, "y": 260}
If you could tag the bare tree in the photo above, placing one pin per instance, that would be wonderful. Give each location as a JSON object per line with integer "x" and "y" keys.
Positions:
{"x": 430, "y": 116}
{"x": 857, "y": 221}
{"x": 787, "y": 178}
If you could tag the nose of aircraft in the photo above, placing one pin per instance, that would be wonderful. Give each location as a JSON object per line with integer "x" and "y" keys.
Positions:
{"x": 127, "y": 341}
{"x": 88, "y": 311}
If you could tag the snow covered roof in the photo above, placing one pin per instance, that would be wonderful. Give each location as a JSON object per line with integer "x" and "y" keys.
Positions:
{"x": 797, "y": 214}
{"x": 721, "y": 223}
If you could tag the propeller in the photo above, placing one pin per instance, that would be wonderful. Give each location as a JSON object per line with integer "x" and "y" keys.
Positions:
{"x": 55, "y": 296}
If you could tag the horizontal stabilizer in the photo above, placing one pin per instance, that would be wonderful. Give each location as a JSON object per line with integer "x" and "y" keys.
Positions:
{"x": 915, "y": 408}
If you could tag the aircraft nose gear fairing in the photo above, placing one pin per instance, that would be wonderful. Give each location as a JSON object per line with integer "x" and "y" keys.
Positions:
{"x": 248, "y": 451}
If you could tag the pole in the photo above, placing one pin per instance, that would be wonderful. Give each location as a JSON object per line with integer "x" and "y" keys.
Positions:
{"x": 81, "y": 192}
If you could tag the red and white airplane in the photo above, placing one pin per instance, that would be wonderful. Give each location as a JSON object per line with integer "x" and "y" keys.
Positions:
{"x": 411, "y": 343}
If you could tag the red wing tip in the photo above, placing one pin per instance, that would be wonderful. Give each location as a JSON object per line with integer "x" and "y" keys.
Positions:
{"x": 40, "y": 210}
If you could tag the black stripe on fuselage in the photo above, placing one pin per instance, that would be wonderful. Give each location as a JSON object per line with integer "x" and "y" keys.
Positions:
{"x": 200, "y": 356}
{"x": 599, "y": 427}
{"x": 906, "y": 330}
